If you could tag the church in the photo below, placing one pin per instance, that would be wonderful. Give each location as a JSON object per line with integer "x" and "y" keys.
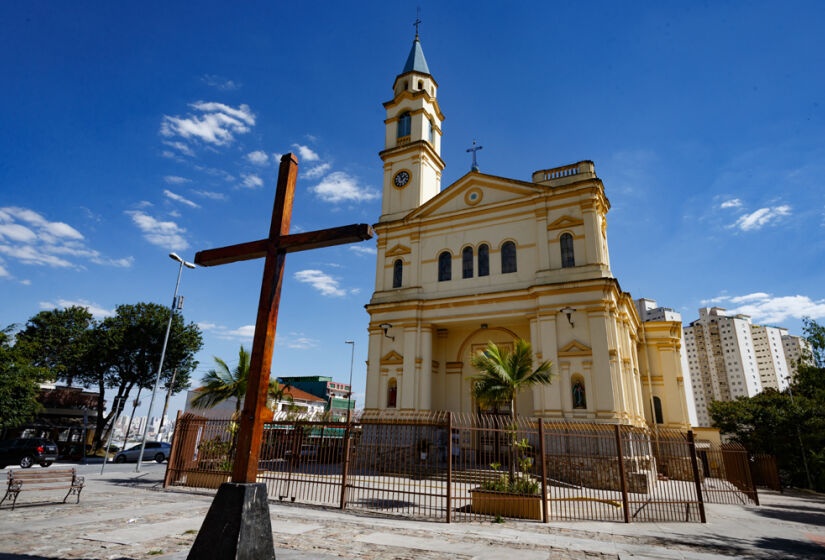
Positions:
{"x": 494, "y": 259}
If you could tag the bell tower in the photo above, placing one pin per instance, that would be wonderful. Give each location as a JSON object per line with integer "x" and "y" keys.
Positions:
{"x": 412, "y": 145}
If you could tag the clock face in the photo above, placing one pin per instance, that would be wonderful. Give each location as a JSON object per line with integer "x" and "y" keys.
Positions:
{"x": 401, "y": 178}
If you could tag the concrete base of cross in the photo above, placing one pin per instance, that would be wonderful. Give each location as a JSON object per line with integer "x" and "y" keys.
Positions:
{"x": 237, "y": 525}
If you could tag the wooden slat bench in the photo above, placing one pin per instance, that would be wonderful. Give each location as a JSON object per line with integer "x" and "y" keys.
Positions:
{"x": 44, "y": 479}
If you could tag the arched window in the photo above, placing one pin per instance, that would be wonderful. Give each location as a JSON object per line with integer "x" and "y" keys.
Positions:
{"x": 430, "y": 135}
{"x": 404, "y": 123}
{"x": 508, "y": 257}
{"x": 567, "y": 257}
{"x": 392, "y": 393}
{"x": 467, "y": 262}
{"x": 397, "y": 272}
{"x": 445, "y": 266}
{"x": 420, "y": 84}
{"x": 657, "y": 410}
{"x": 579, "y": 395}
{"x": 484, "y": 260}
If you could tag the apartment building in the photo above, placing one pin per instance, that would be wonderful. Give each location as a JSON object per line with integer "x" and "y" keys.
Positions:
{"x": 770, "y": 356}
{"x": 796, "y": 348}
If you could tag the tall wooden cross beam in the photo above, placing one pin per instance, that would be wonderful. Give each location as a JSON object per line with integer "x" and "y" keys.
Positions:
{"x": 274, "y": 249}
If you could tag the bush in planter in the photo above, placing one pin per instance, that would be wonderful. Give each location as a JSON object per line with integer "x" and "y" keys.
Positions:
{"x": 215, "y": 455}
{"x": 522, "y": 483}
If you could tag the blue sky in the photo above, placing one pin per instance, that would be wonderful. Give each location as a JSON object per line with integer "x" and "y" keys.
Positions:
{"x": 132, "y": 130}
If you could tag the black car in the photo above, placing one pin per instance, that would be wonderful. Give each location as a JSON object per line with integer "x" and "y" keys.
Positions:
{"x": 27, "y": 451}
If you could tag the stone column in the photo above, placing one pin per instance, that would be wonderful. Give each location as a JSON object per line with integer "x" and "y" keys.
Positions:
{"x": 372, "y": 396}
{"x": 605, "y": 392}
{"x": 425, "y": 398}
{"x": 408, "y": 391}
{"x": 546, "y": 327}
{"x": 592, "y": 233}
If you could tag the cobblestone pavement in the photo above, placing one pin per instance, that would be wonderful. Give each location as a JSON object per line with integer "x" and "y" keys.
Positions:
{"x": 124, "y": 515}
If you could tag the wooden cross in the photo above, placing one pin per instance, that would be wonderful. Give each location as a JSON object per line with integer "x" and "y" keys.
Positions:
{"x": 274, "y": 248}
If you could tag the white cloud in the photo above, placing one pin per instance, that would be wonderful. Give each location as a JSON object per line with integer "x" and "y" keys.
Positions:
{"x": 316, "y": 171}
{"x": 168, "y": 235}
{"x": 210, "y": 194}
{"x": 276, "y": 157}
{"x": 252, "y": 181}
{"x": 363, "y": 249}
{"x": 324, "y": 283}
{"x": 220, "y": 83}
{"x": 760, "y": 218}
{"x": 174, "y": 213}
{"x": 24, "y": 282}
{"x": 143, "y": 204}
{"x": 296, "y": 341}
{"x": 178, "y": 198}
{"x": 732, "y": 203}
{"x": 750, "y": 297}
{"x": 175, "y": 180}
{"x": 246, "y": 331}
{"x": 340, "y": 187}
{"x": 258, "y": 157}
{"x": 217, "y": 124}
{"x": 17, "y": 232}
{"x": 764, "y": 308}
{"x": 97, "y": 311}
{"x": 45, "y": 243}
{"x": 305, "y": 153}
{"x": 180, "y": 146}
{"x": 5, "y": 273}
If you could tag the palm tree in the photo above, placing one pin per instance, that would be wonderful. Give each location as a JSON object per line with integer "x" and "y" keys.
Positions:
{"x": 503, "y": 375}
{"x": 222, "y": 383}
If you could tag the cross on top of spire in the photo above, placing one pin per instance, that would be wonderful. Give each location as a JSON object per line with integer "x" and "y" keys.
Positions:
{"x": 474, "y": 149}
{"x": 417, "y": 20}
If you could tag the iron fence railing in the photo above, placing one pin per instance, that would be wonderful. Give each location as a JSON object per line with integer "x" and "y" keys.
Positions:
{"x": 462, "y": 467}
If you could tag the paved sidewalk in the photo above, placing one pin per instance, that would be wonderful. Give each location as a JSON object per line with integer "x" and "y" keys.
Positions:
{"x": 123, "y": 515}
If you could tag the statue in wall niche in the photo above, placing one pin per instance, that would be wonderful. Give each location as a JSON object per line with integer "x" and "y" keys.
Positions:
{"x": 578, "y": 395}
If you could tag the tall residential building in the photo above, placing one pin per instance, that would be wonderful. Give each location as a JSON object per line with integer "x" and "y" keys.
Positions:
{"x": 721, "y": 359}
{"x": 770, "y": 356}
{"x": 728, "y": 357}
{"x": 795, "y": 347}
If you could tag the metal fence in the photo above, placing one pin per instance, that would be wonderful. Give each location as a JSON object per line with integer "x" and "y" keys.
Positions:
{"x": 462, "y": 467}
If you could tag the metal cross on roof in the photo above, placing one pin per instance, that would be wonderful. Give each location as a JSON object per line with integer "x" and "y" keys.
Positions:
{"x": 417, "y": 20}
{"x": 474, "y": 149}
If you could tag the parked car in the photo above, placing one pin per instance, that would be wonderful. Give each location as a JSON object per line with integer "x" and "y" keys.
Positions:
{"x": 27, "y": 451}
{"x": 157, "y": 450}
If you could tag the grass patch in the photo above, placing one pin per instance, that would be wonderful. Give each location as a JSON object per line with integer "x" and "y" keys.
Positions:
{"x": 190, "y": 532}
{"x": 154, "y": 552}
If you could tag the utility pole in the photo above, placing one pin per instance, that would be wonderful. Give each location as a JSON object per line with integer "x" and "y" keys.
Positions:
{"x": 166, "y": 404}
{"x": 135, "y": 404}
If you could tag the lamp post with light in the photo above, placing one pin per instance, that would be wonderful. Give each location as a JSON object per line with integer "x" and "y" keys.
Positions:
{"x": 176, "y": 304}
{"x": 351, "y": 362}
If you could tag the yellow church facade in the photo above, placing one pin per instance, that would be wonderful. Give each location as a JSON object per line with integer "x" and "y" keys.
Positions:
{"x": 493, "y": 259}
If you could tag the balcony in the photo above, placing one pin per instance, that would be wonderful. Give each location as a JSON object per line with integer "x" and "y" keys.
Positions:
{"x": 565, "y": 174}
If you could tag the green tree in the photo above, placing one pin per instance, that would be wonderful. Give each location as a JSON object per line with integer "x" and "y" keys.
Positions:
{"x": 127, "y": 349}
{"x": 19, "y": 384}
{"x": 55, "y": 340}
{"x": 503, "y": 375}
{"x": 223, "y": 383}
{"x": 788, "y": 424}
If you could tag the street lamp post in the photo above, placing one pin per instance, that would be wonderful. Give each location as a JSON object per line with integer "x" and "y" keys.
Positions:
{"x": 172, "y": 309}
{"x": 351, "y": 362}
